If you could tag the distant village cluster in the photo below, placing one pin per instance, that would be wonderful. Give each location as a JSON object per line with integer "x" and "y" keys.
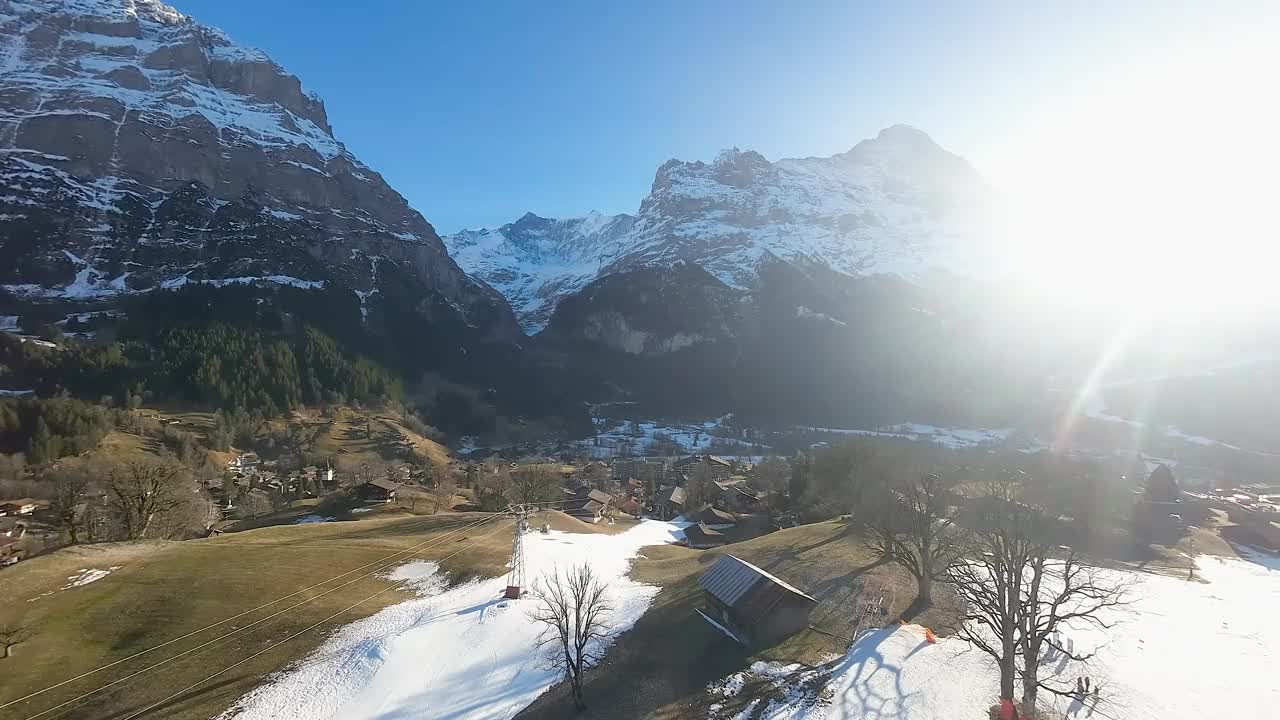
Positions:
{"x": 715, "y": 493}
{"x": 724, "y": 497}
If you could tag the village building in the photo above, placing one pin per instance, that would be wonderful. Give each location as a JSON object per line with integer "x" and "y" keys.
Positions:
{"x": 589, "y": 505}
{"x": 648, "y": 473}
{"x": 13, "y": 546}
{"x": 589, "y": 512}
{"x": 24, "y": 506}
{"x": 243, "y": 461}
{"x": 669, "y": 502}
{"x": 752, "y": 605}
{"x": 220, "y": 527}
{"x": 377, "y": 490}
{"x": 719, "y": 468}
{"x": 717, "y": 518}
{"x": 632, "y": 507}
{"x": 701, "y": 537}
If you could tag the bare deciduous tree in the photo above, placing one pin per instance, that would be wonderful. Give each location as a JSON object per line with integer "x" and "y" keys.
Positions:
{"x": 139, "y": 494}
{"x": 1062, "y": 593}
{"x": 11, "y": 635}
{"x": 575, "y": 611}
{"x": 998, "y": 547}
{"x": 914, "y": 528}
{"x": 532, "y": 485}
{"x": 69, "y": 487}
{"x": 1023, "y": 589}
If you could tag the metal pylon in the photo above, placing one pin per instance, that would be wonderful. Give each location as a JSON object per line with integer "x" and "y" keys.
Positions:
{"x": 515, "y": 579}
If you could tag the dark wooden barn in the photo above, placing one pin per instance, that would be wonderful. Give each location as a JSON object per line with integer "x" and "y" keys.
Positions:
{"x": 755, "y": 606}
{"x": 377, "y": 490}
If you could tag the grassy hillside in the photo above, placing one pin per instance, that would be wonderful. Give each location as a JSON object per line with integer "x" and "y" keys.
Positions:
{"x": 661, "y": 667}
{"x": 164, "y": 590}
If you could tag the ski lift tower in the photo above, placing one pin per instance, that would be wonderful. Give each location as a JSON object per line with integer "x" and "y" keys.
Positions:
{"x": 515, "y": 579}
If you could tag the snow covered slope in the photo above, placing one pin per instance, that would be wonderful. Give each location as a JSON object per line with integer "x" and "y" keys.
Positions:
{"x": 896, "y": 204}
{"x": 139, "y": 148}
{"x": 461, "y": 652}
{"x": 1182, "y": 651}
{"x": 535, "y": 260}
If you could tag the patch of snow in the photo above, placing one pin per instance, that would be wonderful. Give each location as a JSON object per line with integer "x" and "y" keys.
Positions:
{"x": 282, "y": 215}
{"x": 614, "y": 438}
{"x": 945, "y": 436}
{"x": 16, "y": 393}
{"x": 312, "y": 519}
{"x": 421, "y": 575}
{"x": 804, "y": 312}
{"x": 88, "y": 575}
{"x": 459, "y": 653}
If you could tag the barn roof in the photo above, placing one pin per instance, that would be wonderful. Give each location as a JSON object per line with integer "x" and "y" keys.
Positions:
{"x": 715, "y": 516}
{"x": 385, "y": 484}
{"x": 732, "y": 579}
{"x": 675, "y": 496}
{"x": 702, "y": 528}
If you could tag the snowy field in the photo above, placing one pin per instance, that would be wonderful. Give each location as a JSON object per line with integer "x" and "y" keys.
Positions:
{"x": 1182, "y": 651}
{"x": 945, "y": 436}
{"x": 615, "y": 438}
{"x": 451, "y": 653}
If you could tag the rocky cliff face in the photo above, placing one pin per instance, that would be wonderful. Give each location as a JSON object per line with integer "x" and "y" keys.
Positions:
{"x": 897, "y": 204}
{"x": 140, "y": 149}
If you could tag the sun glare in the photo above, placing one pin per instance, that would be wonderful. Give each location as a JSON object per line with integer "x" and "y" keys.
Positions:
{"x": 1153, "y": 190}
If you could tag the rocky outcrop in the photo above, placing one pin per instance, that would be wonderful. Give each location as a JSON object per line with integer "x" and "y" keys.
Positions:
{"x": 649, "y": 311}
{"x": 140, "y": 149}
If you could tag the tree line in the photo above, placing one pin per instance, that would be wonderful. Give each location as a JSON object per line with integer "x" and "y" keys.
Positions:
{"x": 45, "y": 429}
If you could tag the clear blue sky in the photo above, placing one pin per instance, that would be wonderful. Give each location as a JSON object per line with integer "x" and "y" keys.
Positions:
{"x": 478, "y": 112}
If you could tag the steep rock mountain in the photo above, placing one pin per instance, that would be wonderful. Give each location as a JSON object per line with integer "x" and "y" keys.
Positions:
{"x": 819, "y": 290}
{"x": 142, "y": 150}
{"x": 897, "y": 204}
{"x": 535, "y": 261}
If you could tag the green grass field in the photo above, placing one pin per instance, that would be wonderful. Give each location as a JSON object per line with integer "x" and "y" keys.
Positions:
{"x": 165, "y": 590}
{"x": 162, "y": 591}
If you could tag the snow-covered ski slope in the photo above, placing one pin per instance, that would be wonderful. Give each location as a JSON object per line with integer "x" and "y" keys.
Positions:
{"x": 452, "y": 653}
{"x": 1184, "y": 650}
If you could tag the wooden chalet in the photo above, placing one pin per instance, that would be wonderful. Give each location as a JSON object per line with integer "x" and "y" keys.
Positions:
{"x": 754, "y": 606}
{"x": 377, "y": 490}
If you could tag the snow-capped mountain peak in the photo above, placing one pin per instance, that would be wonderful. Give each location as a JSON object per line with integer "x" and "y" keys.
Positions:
{"x": 140, "y": 149}
{"x": 535, "y": 260}
{"x": 894, "y": 204}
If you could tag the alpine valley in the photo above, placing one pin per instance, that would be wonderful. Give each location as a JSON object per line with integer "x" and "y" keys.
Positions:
{"x": 161, "y": 179}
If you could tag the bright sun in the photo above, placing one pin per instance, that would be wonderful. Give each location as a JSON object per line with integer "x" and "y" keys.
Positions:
{"x": 1154, "y": 190}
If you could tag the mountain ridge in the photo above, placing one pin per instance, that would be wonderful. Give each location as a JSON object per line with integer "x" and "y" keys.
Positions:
{"x": 894, "y": 204}
{"x": 145, "y": 150}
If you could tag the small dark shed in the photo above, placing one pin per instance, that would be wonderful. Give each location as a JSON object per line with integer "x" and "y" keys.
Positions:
{"x": 378, "y": 490}
{"x": 700, "y": 537}
{"x": 756, "y": 606}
